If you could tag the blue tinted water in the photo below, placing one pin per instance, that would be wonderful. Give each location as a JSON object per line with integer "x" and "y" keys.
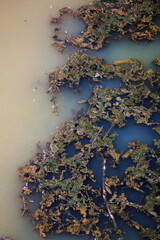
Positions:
{"x": 134, "y": 132}
{"x": 146, "y": 52}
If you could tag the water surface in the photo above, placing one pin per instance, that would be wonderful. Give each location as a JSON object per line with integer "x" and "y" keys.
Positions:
{"x": 26, "y": 111}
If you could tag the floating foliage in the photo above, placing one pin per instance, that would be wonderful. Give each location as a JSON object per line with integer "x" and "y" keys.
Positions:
{"x": 116, "y": 105}
{"x": 107, "y": 19}
{"x": 68, "y": 202}
{"x": 157, "y": 61}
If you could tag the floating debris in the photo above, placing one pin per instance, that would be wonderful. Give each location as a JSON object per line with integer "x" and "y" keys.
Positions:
{"x": 114, "y": 20}
{"x": 157, "y": 61}
{"x": 97, "y": 75}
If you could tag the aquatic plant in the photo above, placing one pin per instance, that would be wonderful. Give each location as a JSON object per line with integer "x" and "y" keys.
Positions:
{"x": 68, "y": 203}
{"x": 70, "y": 200}
{"x": 157, "y": 61}
{"x": 128, "y": 101}
{"x": 111, "y": 20}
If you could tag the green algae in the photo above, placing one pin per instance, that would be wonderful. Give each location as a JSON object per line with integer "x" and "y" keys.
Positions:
{"x": 69, "y": 196}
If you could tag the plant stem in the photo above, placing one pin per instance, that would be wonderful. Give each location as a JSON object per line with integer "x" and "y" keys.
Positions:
{"x": 105, "y": 194}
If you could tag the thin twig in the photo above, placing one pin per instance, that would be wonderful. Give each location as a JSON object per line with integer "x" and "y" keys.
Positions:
{"x": 107, "y": 133}
{"x": 86, "y": 49}
{"x": 103, "y": 184}
{"x": 95, "y": 138}
{"x": 105, "y": 194}
{"x": 25, "y": 208}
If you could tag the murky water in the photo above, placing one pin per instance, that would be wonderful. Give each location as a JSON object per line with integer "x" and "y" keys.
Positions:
{"x": 26, "y": 111}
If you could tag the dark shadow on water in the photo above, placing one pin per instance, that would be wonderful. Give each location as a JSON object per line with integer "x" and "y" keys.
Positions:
{"x": 85, "y": 86}
{"x": 134, "y": 196}
{"x": 106, "y": 125}
{"x": 156, "y": 117}
{"x": 71, "y": 150}
{"x": 85, "y": 141}
{"x": 147, "y": 103}
{"x": 129, "y": 233}
{"x": 143, "y": 219}
{"x": 157, "y": 210}
{"x": 118, "y": 170}
{"x": 95, "y": 165}
{"x": 133, "y": 132}
{"x": 156, "y": 20}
